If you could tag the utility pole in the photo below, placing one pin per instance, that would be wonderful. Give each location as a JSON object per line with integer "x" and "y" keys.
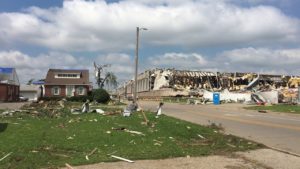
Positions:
{"x": 136, "y": 63}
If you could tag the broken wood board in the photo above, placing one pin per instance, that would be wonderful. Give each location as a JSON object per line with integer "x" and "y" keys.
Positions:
{"x": 121, "y": 158}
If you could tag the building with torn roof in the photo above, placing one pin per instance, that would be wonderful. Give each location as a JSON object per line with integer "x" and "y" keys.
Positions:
{"x": 67, "y": 83}
{"x": 172, "y": 82}
{"x": 9, "y": 85}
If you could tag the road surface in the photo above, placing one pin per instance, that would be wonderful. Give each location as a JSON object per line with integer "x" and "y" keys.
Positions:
{"x": 276, "y": 130}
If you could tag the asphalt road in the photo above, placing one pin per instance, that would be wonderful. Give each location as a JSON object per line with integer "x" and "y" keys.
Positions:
{"x": 276, "y": 130}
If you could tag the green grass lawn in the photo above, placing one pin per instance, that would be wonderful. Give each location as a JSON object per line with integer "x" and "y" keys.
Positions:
{"x": 43, "y": 142}
{"x": 278, "y": 108}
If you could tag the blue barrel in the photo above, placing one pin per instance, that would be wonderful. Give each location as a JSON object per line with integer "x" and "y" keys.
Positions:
{"x": 216, "y": 98}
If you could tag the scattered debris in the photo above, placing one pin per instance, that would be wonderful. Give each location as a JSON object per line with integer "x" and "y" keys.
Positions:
{"x": 93, "y": 120}
{"x": 62, "y": 103}
{"x": 128, "y": 131}
{"x": 86, "y": 107}
{"x": 199, "y": 135}
{"x": 8, "y": 113}
{"x": 160, "y": 142}
{"x": 231, "y": 145}
{"x": 132, "y": 142}
{"x": 159, "y": 109}
{"x": 262, "y": 111}
{"x": 91, "y": 153}
{"x": 121, "y": 128}
{"x": 130, "y": 109}
{"x": 60, "y": 155}
{"x": 69, "y": 166}
{"x": 111, "y": 113}
{"x": 134, "y": 132}
{"x": 100, "y": 111}
{"x": 123, "y": 159}
{"x": 146, "y": 121}
{"x": 5, "y": 156}
{"x": 75, "y": 111}
{"x": 70, "y": 138}
{"x": 157, "y": 144}
{"x": 126, "y": 113}
{"x": 112, "y": 153}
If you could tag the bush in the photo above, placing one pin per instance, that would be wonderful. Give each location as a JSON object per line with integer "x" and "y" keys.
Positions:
{"x": 53, "y": 98}
{"x": 80, "y": 98}
{"x": 100, "y": 95}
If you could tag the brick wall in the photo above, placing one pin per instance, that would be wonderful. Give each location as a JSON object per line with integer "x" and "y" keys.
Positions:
{"x": 9, "y": 92}
{"x": 48, "y": 90}
{"x": 3, "y": 92}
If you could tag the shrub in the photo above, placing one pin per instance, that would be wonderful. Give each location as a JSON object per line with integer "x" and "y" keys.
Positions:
{"x": 100, "y": 96}
{"x": 80, "y": 98}
{"x": 53, "y": 98}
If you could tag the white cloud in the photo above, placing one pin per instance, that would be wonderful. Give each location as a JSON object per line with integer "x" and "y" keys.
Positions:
{"x": 260, "y": 60}
{"x": 265, "y": 60}
{"x": 121, "y": 64}
{"x": 99, "y": 26}
{"x": 179, "y": 61}
{"x": 36, "y": 67}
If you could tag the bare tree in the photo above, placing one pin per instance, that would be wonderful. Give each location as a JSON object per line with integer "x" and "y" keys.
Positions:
{"x": 111, "y": 80}
{"x": 98, "y": 70}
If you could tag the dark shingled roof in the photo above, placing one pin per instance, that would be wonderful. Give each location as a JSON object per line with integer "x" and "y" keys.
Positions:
{"x": 51, "y": 80}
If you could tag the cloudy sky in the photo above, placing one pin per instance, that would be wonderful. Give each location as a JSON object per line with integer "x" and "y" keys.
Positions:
{"x": 217, "y": 35}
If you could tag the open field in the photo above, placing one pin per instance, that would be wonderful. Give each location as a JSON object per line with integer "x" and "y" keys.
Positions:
{"x": 40, "y": 141}
{"x": 278, "y": 108}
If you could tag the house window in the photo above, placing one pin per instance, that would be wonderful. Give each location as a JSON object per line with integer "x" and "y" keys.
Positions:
{"x": 68, "y": 75}
{"x": 56, "y": 91}
{"x": 80, "y": 90}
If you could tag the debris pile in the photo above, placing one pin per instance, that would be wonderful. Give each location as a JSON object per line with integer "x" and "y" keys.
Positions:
{"x": 61, "y": 108}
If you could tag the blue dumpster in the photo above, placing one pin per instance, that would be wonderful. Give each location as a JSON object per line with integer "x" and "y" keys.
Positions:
{"x": 216, "y": 98}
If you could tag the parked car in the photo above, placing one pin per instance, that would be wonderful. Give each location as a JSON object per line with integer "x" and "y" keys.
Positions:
{"x": 23, "y": 99}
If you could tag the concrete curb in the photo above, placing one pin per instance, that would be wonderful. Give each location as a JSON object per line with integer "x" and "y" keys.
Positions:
{"x": 284, "y": 151}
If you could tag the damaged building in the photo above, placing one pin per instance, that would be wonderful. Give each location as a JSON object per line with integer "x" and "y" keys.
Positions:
{"x": 9, "y": 85}
{"x": 171, "y": 82}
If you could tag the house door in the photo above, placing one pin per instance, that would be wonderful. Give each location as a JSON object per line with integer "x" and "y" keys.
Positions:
{"x": 70, "y": 91}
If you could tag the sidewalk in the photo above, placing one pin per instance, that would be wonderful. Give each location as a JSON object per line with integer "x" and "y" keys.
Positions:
{"x": 257, "y": 159}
